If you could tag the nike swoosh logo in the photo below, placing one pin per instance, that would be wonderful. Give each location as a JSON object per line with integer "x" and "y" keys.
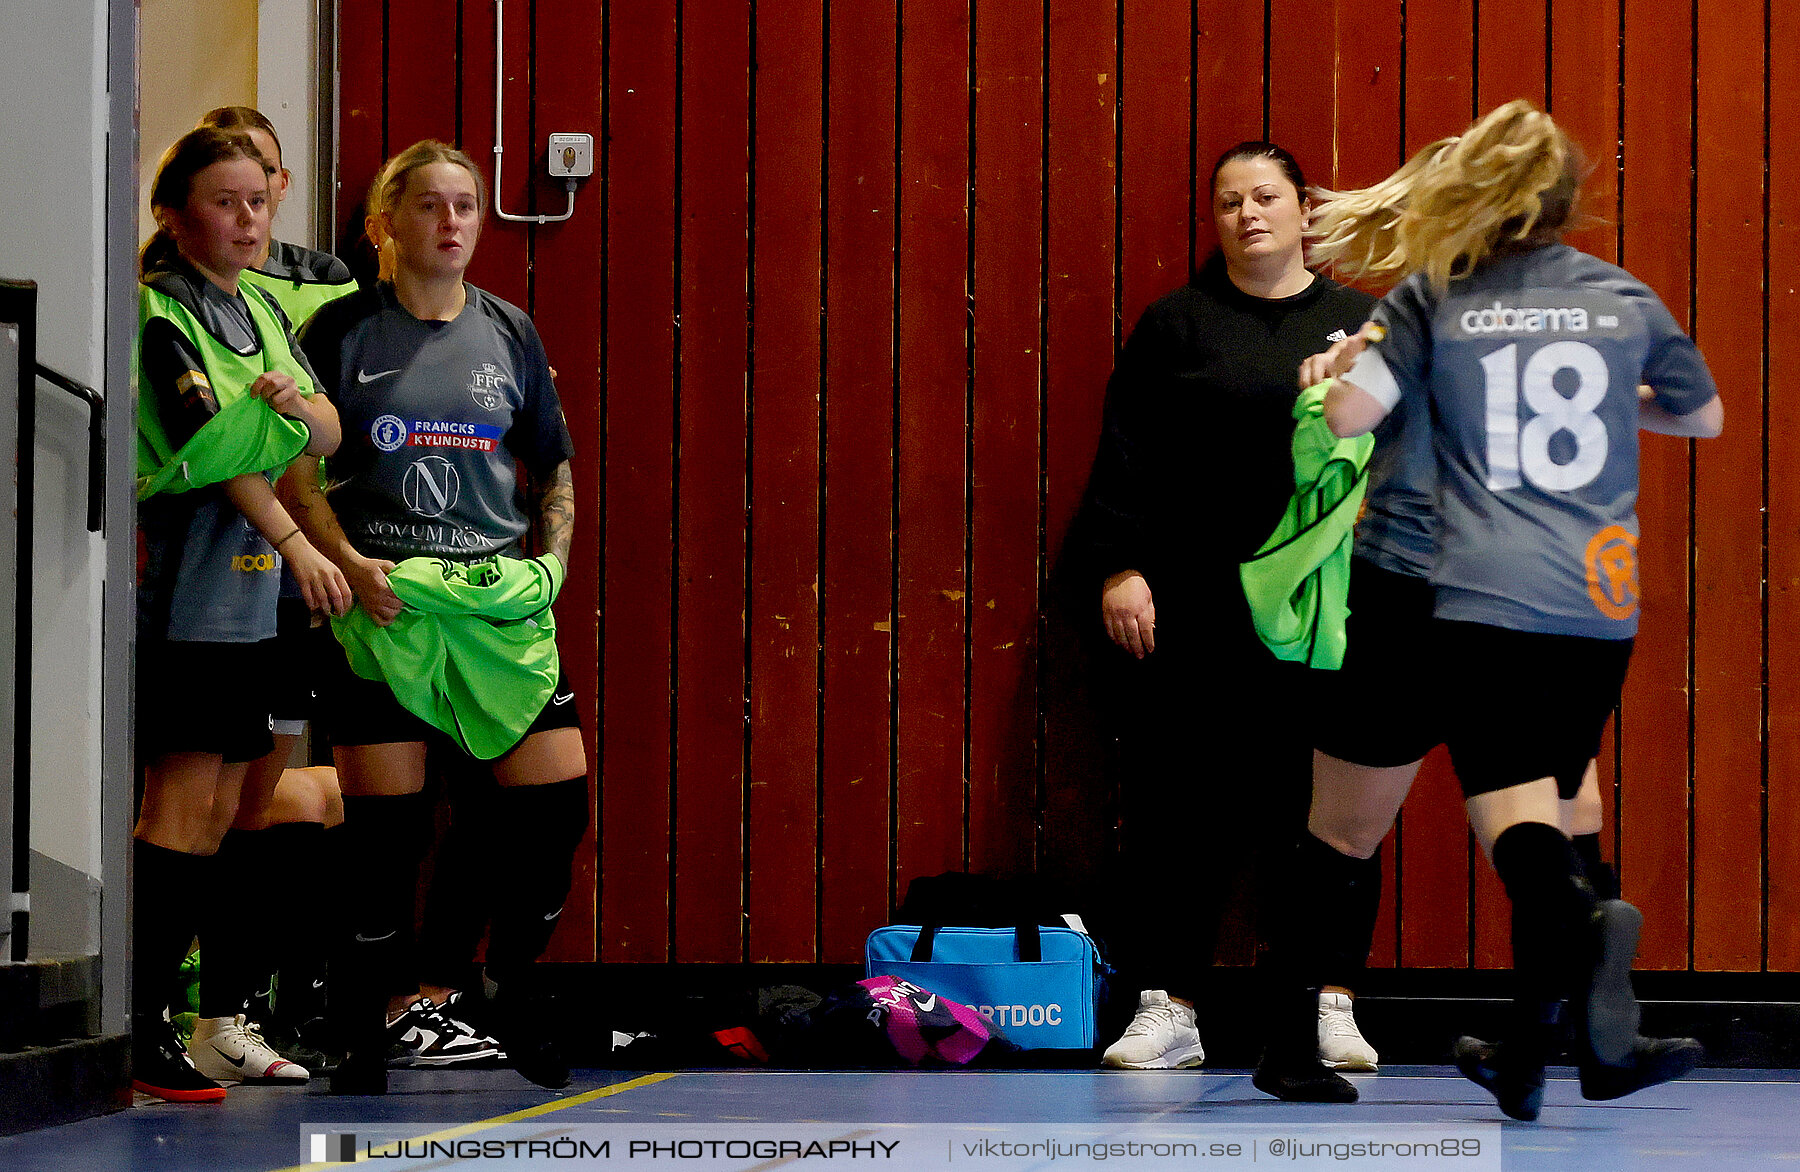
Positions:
{"x": 361, "y": 939}
{"x": 363, "y": 376}
{"x": 927, "y": 1005}
{"x": 561, "y": 700}
{"x": 318, "y": 984}
{"x": 552, "y": 915}
{"x": 237, "y": 1062}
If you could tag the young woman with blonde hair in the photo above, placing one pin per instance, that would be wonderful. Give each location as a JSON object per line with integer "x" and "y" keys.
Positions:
{"x": 445, "y": 392}
{"x": 1527, "y": 358}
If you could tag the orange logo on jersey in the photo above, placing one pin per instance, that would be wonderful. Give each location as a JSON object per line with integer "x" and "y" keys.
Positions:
{"x": 1612, "y": 572}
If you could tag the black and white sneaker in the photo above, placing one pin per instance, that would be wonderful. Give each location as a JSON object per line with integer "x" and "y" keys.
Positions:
{"x": 423, "y": 1036}
{"x": 466, "y": 1013}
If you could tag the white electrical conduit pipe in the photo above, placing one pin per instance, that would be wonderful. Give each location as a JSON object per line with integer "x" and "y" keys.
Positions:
{"x": 499, "y": 79}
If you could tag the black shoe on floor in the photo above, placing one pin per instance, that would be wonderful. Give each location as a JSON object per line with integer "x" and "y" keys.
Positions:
{"x": 297, "y": 1046}
{"x": 522, "y": 1024}
{"x": 160, "y": 1067}
{"x": 1304, "y": 1081}
{"x": 1652, "y": 1061}
{"x": 1609, "y": 1012}
{"x": 362, "y": 1072}
{"x": 1519, "y": 1092}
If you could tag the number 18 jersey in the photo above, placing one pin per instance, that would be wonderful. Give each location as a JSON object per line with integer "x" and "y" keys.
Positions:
{"x": 1531, "y": 367}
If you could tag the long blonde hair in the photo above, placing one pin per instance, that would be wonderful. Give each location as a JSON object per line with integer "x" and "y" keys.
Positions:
{"x": 1508, "y": 180}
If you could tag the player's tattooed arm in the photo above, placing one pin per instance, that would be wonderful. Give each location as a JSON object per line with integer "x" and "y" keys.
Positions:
{"x": 299, "y": 490}
{"x": 555, "y": 501}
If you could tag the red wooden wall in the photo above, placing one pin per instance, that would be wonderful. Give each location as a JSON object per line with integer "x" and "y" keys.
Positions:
{"x": 832, "y": 324}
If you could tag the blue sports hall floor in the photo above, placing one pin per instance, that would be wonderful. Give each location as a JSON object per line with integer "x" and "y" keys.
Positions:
{"x": 763, "y": 1120}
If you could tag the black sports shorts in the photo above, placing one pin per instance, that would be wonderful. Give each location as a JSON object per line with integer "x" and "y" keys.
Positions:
{"x": 1382, "y": 708}
{"x": 356, "y": 711}
{"x": 197, "y": 697}
{"x": 1521, "y": 705}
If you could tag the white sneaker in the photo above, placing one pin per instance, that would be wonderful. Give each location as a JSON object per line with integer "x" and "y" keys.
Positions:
{"x": 230, "y": 1049}
{"x": 1341, "y": 1044}
{"x": 1161, "y": 1037}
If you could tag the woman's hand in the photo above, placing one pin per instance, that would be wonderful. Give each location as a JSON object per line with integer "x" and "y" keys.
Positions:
{"x": 283, "y": 396}
{"x": 1337, "y": 361}
{"x": 322, "y": 584}
{"x": 1129, "y": 613}
{"x": 368, "y": 580}
{"x": 279, "y": 391}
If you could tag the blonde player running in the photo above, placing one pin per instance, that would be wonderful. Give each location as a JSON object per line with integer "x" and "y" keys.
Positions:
{"x": 1529, "y": 356}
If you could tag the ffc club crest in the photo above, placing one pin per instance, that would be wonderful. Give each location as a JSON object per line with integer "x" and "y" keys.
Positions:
{"x": 485, "y": 385}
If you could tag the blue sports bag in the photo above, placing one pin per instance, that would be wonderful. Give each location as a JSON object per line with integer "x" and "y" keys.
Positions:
{"x": 1039, "y": 985}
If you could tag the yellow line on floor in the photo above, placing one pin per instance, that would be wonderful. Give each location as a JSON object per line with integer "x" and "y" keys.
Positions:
{"x": 516, "y": 1116}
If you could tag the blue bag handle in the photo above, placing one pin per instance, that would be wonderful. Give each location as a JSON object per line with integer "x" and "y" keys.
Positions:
{"x": 1031, "y": 944}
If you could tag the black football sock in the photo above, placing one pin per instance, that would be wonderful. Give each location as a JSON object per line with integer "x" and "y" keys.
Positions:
{"x": 169, "y": 889}
{"x": 1343, "y": 894}
{"x": 1600, "y": 875}
{"x": 233, "y": 926}
{"x": 460, "y": 897}
{"x": 385, "y": 837}
{"x": 1552, "y": 906}
{"x": 536, "y": 831}
{"x": 298, "y": 936}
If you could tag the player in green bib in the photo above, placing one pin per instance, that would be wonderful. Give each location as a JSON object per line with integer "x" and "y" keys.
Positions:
{"x": 301, "y": 279}
{"x": 224, "y": 402}
{"x": 290, "y": 934}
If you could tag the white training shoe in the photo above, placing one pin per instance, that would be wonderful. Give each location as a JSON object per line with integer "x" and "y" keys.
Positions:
{"x": 1341, "y": 1044}
{"x": 230, "y": 1049}
{"x": 1161, "y": 1037}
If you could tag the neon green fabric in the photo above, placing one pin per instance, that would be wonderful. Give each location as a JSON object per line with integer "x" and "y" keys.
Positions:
{"x": 1298, "y": 584}
{"x": 299, "y": 299}
{"x": 473, "y": 654}
{"x": 246, "y": 435}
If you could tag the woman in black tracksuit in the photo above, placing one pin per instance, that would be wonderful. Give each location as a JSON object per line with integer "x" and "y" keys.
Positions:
{"x": 1193, "y": 473}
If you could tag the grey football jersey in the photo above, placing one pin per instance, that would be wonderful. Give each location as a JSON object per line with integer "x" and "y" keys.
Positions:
{"x": 435, "y": 414}
{"x": 1530, "y": 368}
{"x": 1395, "y": 531}
{"x": 207, "y": 574}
